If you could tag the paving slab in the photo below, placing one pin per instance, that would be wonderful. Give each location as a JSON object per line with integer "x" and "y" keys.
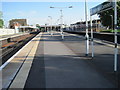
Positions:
{"x": 58, "y": 66}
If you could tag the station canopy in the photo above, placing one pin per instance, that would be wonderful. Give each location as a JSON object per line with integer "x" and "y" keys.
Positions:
{"x": 28, "y": 27}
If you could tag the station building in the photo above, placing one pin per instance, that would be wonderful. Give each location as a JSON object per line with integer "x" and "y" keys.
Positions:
{"x": 17, "y": 22}
{"x": 81, "y": 26}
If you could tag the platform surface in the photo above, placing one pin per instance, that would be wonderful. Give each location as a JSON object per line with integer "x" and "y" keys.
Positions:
{"x": 51, "y": 62}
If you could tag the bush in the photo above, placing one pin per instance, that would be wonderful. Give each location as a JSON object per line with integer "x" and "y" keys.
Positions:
{"x": 109, "y": 31}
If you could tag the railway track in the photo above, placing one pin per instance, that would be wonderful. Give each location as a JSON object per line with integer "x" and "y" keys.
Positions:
{"x": 13, "y": 45}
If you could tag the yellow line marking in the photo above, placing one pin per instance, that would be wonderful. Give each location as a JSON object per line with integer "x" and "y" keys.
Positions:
{"x": 22, "y": 75}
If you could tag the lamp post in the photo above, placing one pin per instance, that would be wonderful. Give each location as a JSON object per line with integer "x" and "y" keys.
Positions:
{"x": 115, "y": 35}
{"x": 45, "y": 27}
{"x": 92, "y": 40}
{"x": 56, "y": 24}
{"x": 86, "y": 36}
{"x": 61, "y": 23}
{"x": 48, "y": 23}
{"x": 51, "y": 25}
{"x": 112, "y": 21}
{"x": 61, "y": 11}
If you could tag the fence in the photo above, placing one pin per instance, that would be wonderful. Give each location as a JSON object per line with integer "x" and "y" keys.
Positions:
{"x": 7, "y": 31}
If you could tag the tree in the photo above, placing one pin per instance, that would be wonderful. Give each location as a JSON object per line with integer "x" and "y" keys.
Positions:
{"x": 1, "y": 20}
{"x": 0, "y": 14}
{"x": 119, "y": 13}
{"x": 37, "y": 25}
{"x": 1, "y": 23}
{"x": 106, "y": 18}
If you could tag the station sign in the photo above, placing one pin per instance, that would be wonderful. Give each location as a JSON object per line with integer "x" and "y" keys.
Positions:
{"x": 102, "y": 7}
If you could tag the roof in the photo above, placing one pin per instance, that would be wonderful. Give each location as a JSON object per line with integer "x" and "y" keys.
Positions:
{"x": 28, "y": 27}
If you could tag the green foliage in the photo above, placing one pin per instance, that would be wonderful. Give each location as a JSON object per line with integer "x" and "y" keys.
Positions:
{"x": 106, "y": 17}
{"x": 1, "y": 23}
{"x": 37, "y": 25}
{"x": 0, "y": 14}
{"x": 1, "y": 20}
{"x": 119, "y": 13}
{"x": 109, "y": 31}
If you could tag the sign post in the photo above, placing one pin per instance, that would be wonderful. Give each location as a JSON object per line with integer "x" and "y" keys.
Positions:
{"x": 92, "y": 40}
{"x": 101, "y": 8}
{"x": 115, "y": 35}
{"x": 86, "y": 36}
{"x": 61, "y": 29}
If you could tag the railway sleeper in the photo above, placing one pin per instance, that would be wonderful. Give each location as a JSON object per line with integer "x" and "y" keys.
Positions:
{"x": 8, "y": 51}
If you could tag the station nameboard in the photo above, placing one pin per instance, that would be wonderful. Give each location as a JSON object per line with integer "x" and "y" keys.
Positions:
{"x": 102, "y": 7}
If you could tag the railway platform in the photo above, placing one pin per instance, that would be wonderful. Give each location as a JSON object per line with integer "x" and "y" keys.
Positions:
{"x": 50, "y": 62}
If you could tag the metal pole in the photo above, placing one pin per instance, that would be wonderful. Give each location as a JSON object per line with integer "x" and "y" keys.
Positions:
{"x": 96, "y": 25}
{"x": 56, "y": 24}
{"x": 62, "y": 19}
{"x": 112, "y": 21}
{"x": 87, "y": 36}
{"x": 45, "y": 28}
{"x": 115, "y": 35}
{"x": 62, "y": 24}
{"x": 48, "y": 26}
{"x": 51, "y": 25}
{"x": 92, "y": 42}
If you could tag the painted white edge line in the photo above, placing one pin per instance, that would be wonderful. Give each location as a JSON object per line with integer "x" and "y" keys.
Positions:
{"x": 8, "y": 61}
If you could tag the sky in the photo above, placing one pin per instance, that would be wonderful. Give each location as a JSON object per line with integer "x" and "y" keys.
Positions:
{"x": 37, "y": 12}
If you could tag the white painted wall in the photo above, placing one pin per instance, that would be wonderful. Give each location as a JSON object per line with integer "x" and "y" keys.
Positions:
{"x": 7, "y": 31}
